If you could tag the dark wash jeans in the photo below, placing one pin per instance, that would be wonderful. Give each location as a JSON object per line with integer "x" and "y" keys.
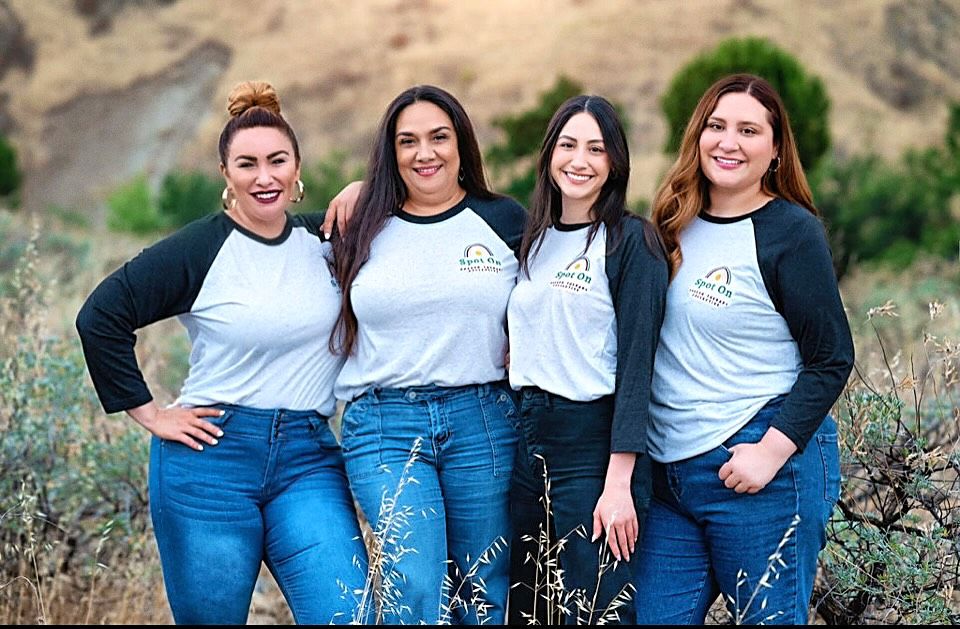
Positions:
{"x": 702, "y": 539}
{"x": 273, "y": 489}
{"x": 573, "y": 439}
{"x": 448, "y": 507}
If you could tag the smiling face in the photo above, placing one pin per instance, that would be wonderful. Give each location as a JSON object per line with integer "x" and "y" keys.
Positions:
{"x": 579, "y": 165}
{"x": 262, "y": 173}
{"x": 428, "y": 155}
{"x": 736, "y": 146}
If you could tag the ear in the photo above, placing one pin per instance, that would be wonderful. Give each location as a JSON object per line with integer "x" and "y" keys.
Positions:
{"x": 298, "y": 170}
{"x": 223, "y": 172}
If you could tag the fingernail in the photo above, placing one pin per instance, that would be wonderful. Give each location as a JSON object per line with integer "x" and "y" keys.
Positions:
{"x": 326, "y": 235}
{"x": 222, "y": 412}
{"x": 593, "y": 539}
{"x": 219, "y": 433}
{"x": 214, "y": 442}
{"x": 199, "y": 447}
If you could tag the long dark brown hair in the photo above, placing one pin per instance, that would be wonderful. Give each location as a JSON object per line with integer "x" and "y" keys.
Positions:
{"x": 610, "y": 207}
{"x": 686, "y": 190}
{"x": 384, "y": 192}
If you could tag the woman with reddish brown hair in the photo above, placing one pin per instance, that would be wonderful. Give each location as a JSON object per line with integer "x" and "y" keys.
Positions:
{"x": 754, "y": 350}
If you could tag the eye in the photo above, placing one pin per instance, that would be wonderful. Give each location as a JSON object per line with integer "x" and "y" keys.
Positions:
{"x": 715, "y": 126}
{"x": 565, "y": 144}
{"x": 598, "y": 150}
{"x": 280, "y": 160}
{"x": 245, "y": 165}
{"x": 405, "y": 141}
{"x": 749, "y": 131}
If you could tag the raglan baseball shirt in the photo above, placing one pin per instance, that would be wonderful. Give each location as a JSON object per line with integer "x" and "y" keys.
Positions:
{"x": 753, "y": 313}
{"x": 431, "y": 300}
{"x": 586, "y": 322}
{"x": 258, "y": 313}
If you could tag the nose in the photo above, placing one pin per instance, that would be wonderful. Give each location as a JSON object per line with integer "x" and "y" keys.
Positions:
{"x": 729, "y": 141}
{"x": 263, "y": 176}
{"x": 425, "y": 152}
{"x": 578, "y": 161}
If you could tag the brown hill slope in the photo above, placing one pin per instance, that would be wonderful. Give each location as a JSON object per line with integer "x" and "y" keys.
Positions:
{"x": 94, "y": 91}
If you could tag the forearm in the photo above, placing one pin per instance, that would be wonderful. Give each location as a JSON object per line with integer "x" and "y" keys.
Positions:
{"x": 620, "y": 470}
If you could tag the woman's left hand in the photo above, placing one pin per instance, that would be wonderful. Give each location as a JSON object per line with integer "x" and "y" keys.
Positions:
{"x": 753, "y": 465}
{"x": 616, "y": 515}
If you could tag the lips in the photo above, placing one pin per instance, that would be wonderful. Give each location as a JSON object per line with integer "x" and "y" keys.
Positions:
{"x": 427, "y": 171}
{"x": 577, "y": 178}
{"x": 266, "y": 197}
{"x": 726, "y": 162}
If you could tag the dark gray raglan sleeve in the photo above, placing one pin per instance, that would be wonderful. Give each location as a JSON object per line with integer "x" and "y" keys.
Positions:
{"x": 797, "y": 270}
{"x": 161, "y": 282}
{"x": 638, "y": 278}
{"x": 504, "y": 216}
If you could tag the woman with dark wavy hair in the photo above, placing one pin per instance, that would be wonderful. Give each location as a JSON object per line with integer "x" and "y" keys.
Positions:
{"x": 754, "y": 351}
{"x": 584, "y": 322}
{"x": 426, "y": 269}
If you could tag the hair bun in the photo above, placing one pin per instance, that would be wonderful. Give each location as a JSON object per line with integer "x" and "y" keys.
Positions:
{"x": 253, "y": 94}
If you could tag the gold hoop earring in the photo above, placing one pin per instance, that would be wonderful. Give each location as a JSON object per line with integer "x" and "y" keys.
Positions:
{"x": 225, "y": 200}
{"x": 300, "y": 192}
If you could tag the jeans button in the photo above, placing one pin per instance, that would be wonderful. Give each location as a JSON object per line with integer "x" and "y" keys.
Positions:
{"x": 503, "y": 397}
{"x": 411, "y": 395}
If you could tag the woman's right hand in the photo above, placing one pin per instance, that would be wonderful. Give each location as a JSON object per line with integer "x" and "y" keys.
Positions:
{"x": 341, "y": 208}
{"x": 176, "y": 423}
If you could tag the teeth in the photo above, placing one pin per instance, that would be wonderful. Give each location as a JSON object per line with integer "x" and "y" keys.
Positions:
{"x": 730, "y": 162}
{"x": 266, "y": 196}
{"x": 580, "y": 178}
{"x": 427, "y": 171}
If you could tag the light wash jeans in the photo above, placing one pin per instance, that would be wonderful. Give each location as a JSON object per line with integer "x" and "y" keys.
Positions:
{"x": 273, "y": 489}
{"x": 452, "y": 508}
{"x": 702, "y": 539}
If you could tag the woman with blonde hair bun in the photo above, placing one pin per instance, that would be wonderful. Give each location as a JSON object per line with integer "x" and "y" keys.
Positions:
{"x": 244, "y": 468}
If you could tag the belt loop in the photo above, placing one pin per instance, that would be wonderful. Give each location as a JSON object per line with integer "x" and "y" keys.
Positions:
{"x": 547, "y": 399}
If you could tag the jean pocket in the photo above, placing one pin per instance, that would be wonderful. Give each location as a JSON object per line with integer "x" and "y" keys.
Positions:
{"x": 830, "y": 457}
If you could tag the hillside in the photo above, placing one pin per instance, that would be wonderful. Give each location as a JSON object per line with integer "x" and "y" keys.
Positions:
{"x": 95, "y": 91}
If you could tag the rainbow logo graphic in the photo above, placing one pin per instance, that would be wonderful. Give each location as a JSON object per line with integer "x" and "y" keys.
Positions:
{"x": 477, "y": 250}
{"x": 580, "y": 264}
{"x": 713, "y": 288}
{"x": 477, "y": 258}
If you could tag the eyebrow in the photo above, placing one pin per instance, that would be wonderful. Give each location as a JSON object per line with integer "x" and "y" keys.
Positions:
{"x": 570, "y": 137}
{"x": 270, "y": 156}
{"x": 742, "y": 123}
{"x": 440, "y": 128}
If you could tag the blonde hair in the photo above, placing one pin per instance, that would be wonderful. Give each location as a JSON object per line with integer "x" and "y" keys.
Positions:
{"x": 254, "y": 104}
{"x": 253, "y": 94}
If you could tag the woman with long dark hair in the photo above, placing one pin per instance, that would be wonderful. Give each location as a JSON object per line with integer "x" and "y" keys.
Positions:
{"x": 584, "y": 321}
{"x": 755, "y": 349}
{"x": 426, "y": 269}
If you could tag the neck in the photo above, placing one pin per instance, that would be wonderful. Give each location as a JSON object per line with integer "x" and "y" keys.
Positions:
{"x": 729, "y": 204}
{"x": 434, "y": 204}
{"x": 264, "y": 229}
{"x": 576, "y": 211}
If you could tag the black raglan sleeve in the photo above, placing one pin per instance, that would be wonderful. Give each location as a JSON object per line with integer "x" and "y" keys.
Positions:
{"x": 160, "y": 282}
{"x": 797, "y": 269}
{"x": 506, "y": 217}
{"x": 638, "y": 277}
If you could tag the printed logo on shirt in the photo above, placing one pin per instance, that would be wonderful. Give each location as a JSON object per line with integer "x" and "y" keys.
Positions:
{"x": 477, "y": 258}
{"x": 714, "y": 288}
{"x": 575, "y": 278}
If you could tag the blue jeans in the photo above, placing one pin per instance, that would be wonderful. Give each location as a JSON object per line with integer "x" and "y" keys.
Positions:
{"x": 442, "y": 512}
{"x": 273, "y": 489}
{"x": 573, "y": 440}
{"x": 702, "y": 539}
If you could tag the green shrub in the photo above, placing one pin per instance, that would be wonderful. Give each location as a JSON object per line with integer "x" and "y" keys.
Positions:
{"x": 187, "y": 196}
{"x": 514, "y": 158}
{"x": 803, "y": 95}
{"x": 131, "y": 208}
{"x": 10, "y": 176}
{"x": 325, "y": 179}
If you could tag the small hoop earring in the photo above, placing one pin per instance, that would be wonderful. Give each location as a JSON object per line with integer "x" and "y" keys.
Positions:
{"x": 773, "y": 168}
{"x": 225, "y": 199}
{"x": 300, "y": 192}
